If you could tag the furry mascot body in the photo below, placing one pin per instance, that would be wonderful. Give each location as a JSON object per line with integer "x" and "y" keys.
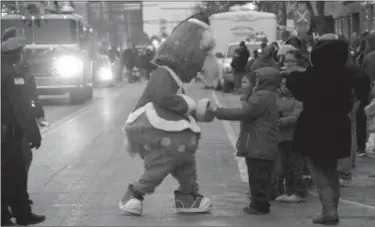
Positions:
{"x": 163, "y": 128}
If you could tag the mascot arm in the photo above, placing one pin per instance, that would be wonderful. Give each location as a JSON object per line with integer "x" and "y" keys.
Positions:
{"x": 164, "y": 93}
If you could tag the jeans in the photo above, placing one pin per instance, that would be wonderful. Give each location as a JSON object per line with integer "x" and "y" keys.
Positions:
{"x": 293, "y": 170}
{"x": 361, "y": 127}
{"x": 325, "y": 176}
{"x": 345, "y": 165}
{"x": 238, "y": 79}
{"x": 259, "y": 172}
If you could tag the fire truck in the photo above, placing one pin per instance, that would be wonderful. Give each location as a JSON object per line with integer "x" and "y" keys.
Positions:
{"x": 57, "y": 50}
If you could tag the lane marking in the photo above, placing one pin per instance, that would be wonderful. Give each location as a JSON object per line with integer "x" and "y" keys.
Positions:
{"x": 64, "y": 119}
{"x": 65, "y": 205}
{"x": 232, "y": 136}
{"x": 241, "y": 164}
{"x": 73, "y": 116}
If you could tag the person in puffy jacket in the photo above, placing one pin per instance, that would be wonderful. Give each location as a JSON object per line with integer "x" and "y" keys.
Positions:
{"x": 282, "y": 52}
{"x": 323, "y": 130}
{"x": 291, "y": 161}
{"x": 259, "y": 135}
{"x": 266, "y": 59}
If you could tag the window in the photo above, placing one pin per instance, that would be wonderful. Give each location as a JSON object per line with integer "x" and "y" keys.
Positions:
{"x": 56, "y": 31}
{"x": 338, "y": 27}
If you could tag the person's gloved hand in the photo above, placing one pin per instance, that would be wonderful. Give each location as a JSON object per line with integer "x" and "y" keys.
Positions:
{"x": 35, "y": 144}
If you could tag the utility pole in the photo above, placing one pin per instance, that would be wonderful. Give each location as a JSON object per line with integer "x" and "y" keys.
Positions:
{"x": 101, "y": 30}
{"x": 111, "y": 22}
{"x": 88, "y": 8}
{"x": 284, "y": 13}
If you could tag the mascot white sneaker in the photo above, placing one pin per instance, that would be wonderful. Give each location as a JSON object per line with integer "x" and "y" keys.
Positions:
{"x": 163, "y": 127}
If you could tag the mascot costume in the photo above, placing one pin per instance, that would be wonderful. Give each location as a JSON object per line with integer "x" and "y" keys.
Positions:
{"x": 163, "y": 127}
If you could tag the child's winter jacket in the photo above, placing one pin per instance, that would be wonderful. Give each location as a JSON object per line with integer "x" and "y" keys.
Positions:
{"x": 259, "y": 118}
{"x": 289, "y": 109}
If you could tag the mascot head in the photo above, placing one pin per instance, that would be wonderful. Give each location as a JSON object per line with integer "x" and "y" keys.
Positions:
{"x": 187, "y": 48}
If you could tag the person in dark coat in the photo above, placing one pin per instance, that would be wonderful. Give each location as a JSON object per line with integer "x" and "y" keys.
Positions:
{"x": 17, "y": 120}
{"x": 252, "y": 60}
{"x": 129, "y": 60}
{"x": 266, "y": 59}
{"x": 239, "y": 61}
{"x": 323, "y": 130}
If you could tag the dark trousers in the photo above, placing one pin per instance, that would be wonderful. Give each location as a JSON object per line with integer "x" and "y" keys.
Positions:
{"x": 13, "y": 180}
{"x": 326, "y": 178}
{"x": 361, "y": 127}
{"x": 28, "y": 158}
{"x": 292, "y": 166}
{"x": 259, "y": 172}
{"x": 238, "y": 79}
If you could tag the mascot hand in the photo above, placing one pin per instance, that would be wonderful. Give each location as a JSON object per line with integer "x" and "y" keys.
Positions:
{"x": 203, "y": 113}
{"x": 190, "y": 103}
{"x": 129, "y": 149}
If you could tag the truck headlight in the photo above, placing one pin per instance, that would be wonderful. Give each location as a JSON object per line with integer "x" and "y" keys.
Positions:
{"x": 105, "y": 73}
{"x": 68, "y": 66}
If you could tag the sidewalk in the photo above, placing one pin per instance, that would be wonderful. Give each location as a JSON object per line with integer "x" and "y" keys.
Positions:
{"x": 361, "y": 189}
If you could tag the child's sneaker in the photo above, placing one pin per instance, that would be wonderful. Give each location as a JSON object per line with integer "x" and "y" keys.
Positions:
{"x": 295, "y": 199}
{"x": 361, "y": 153}
{"x": 281, "y": 198}
{"x": 131, "y": 203}
{"x": 187, "y": 203}
{"x": 345, "y": 179}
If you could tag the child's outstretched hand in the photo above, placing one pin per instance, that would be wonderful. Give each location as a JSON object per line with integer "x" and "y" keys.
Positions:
{"x": 212, "y": 109}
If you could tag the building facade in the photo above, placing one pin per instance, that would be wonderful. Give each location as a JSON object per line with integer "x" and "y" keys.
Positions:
{"x": 352, "y": 16}
{"x": 162, "y": 17}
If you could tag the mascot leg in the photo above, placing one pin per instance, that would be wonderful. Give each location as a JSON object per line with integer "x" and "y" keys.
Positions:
{"x": 158, "y": 165}
{"x": 187, "y": 197}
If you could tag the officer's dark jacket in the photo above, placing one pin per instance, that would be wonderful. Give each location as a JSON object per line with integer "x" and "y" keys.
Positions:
{"x": 16, "y": 115}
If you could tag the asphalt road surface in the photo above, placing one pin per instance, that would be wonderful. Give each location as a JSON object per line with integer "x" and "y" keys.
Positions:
{"x": 82, "y": 170}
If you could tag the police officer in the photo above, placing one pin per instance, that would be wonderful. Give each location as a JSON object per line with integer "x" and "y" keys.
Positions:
{"x": 17, "y": 120}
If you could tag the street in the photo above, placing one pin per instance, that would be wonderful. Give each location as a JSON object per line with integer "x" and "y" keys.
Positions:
{"x": 82, "y": 170}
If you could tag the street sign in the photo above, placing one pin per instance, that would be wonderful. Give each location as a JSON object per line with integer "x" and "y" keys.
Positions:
{"x": 302, "y": 20}
{"x": 302, "y": 17}
{"x": 132, "y": 6}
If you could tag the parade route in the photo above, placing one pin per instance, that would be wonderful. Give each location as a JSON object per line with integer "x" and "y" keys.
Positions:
{"x": 83, "y": 169}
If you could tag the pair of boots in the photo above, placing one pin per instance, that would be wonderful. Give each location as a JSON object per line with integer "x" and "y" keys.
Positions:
{"x": 132, "y": 202}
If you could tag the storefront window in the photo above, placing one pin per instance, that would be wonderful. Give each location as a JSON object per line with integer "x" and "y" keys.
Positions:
{"x": 365, "y": 15}
{"x": 338, "y": 27}
{"x": 372, "y": 16}
{"x": 346, "y": 27}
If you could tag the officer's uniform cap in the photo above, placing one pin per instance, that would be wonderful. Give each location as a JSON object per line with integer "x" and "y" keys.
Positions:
{"x": 11, "y": 42}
